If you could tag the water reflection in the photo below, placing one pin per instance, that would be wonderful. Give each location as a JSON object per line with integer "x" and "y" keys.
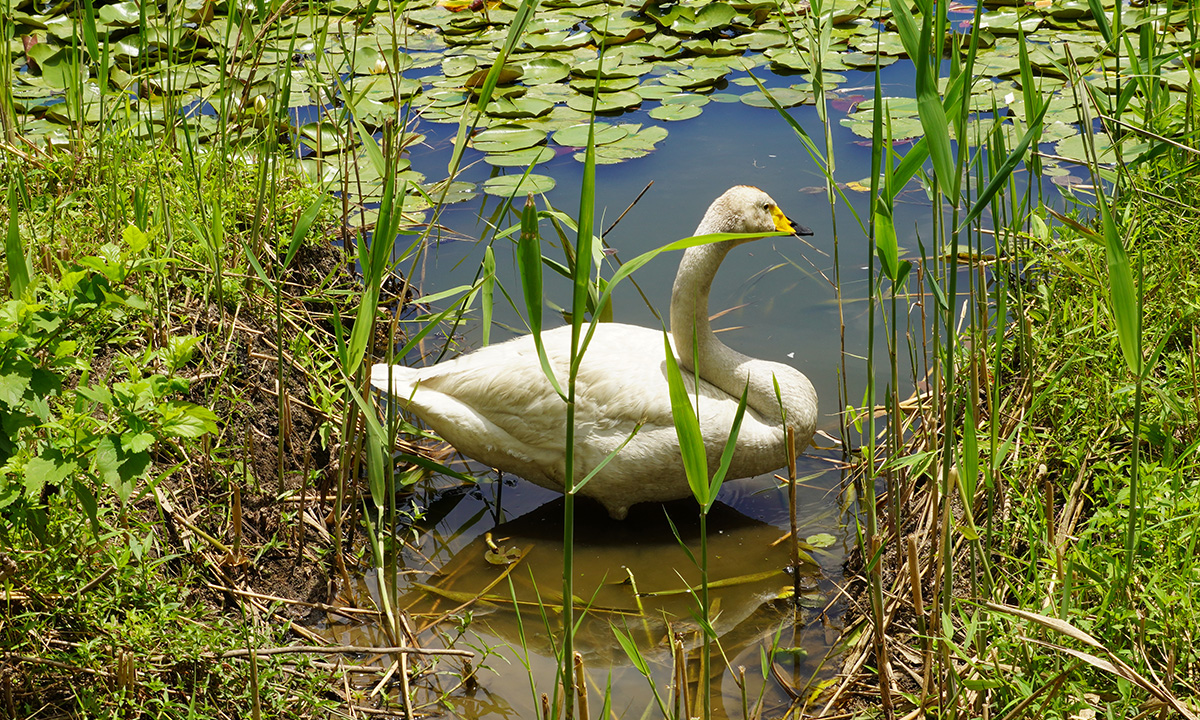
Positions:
{"x": 447, "y": 578}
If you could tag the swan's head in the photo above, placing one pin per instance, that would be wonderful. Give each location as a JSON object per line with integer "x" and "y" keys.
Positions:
{"x": 746, "y": 209}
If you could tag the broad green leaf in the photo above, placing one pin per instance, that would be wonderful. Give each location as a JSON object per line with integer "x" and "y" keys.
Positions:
{"x": 687, "y": 430}
{"x": 506, "y": 138}
{"x": 512, "y": 185}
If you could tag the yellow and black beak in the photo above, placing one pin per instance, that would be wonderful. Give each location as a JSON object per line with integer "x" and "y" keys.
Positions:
{"x": 784, "y": 224}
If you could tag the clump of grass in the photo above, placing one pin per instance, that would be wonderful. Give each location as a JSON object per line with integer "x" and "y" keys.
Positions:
{"x": 169, "y": 436}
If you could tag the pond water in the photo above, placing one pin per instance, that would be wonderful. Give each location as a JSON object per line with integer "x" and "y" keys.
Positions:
{"x": 780, "y": 307}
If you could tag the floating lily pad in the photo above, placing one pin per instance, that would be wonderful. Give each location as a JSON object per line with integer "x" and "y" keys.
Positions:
{"x": 786, "y": 97}
{"x": 456, "y": 192}
{"x": 820, "y": 540}
{"x": 589, "y": 86}
{"x": 521, "y": 158}
{"x": 577, "y": 135}
{"x": 675, "y": 112}
{"x": 458, "y": 65}
{"x": 125, "y": 14}
{"x": 506, "y": 138}
{"x": 514, "y": 185}
{"x": 605, "y": 102}
{"x": 562, "y": 40}
{"x": 520, "y": 107}
{"x": 540, "y": 71}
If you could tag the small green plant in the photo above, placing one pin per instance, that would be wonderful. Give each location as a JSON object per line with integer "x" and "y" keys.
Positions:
{"x": 63, "y": 430}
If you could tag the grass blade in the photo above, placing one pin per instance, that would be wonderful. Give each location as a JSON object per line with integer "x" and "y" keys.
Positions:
{"x": 14, "y": 253}
{"x": 687, "y": 429}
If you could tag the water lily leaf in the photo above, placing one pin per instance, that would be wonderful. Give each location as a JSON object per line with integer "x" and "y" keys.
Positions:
{"x": 506, "y": 138}
{"x": 457, "y": 191}
{"x": 577, "y": 135}
{"x": 514, "y": 185}
{"x": 786, "y": 97}
{"x": 519, "y": 107}
{"x": 694, "y": 77}
{"x": 589, "y": 85}
{"x": 1068, "y": 10}
{"x": 790, "y": 60}
{"x": 760, "y": 40}
{"x": 655, "y": 91}
{"x": 124, "y": 14}
{"x": 367, "y": 60}
{"x": 541, "y": 71}
{"x": 1006, "y": 22}
{"x": 562, "y": 40}
{"x": 675, "y": 112}
{"x": 61, "y": 68}
{"x": 444, "y": 98}
{"x": 711, "y": 48}
{"x": 605, "y": 102}
{"x": 866, "y": 61}
{"x": 1075, "y": 148}
{"x": 508, "y": 75}
{"x": 820, "y": 540}
{"x": 521, "y": 158}
{"x": 322, "y": 138}
{"x": 458, "y": 65}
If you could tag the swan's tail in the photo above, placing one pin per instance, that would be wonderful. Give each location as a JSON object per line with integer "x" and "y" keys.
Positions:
{"x": 397, "y": 380}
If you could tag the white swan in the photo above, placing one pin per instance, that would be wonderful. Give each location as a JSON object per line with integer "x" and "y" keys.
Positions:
{"x": 496, "y": 406}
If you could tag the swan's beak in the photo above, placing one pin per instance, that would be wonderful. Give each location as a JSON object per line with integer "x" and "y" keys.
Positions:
{"x": 784, "y": 224}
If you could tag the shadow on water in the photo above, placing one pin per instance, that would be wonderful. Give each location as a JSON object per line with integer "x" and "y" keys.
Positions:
{"x": 452, "y": 580}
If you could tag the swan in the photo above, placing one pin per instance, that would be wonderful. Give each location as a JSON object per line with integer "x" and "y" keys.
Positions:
{"x": 495, "y": 404}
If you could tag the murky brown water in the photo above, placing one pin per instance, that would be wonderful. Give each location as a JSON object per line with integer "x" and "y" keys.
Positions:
{"x": 446, "y": 577}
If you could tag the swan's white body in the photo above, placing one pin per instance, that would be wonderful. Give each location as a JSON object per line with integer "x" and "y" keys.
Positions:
{"x": 496, "y": 405}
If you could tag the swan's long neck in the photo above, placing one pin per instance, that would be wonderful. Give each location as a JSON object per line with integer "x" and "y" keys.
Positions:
{"x": 690, "y": 327}
{"x": 698, "y": 348}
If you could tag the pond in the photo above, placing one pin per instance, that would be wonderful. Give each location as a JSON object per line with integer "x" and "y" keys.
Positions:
{"x": 777, "y": 302}
{"x": 683, "y": 113}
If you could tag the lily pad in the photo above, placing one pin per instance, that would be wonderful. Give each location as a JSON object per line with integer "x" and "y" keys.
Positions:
{"x": 520, "y": 107}
{"x": 786, "y": 97}
{"x": 577, "y": 135}
{"x": 605, "y": 102}
{"x": 540, "y": 71}
{"x": 506, "y": 138}
{"x": 514, "y": 185}
{"x": 521, "y": 158}
{"x": 675, "y": 112}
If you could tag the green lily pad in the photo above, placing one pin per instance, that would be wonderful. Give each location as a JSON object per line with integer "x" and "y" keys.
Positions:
{"x": 508, "y": 75}
{"x": 521, "y": 107}
{"x": 694, "y": 78}
{"x": 514, "y": 185}
{"x": 820, "y": 540}
{"x": 675, "y": 112}
{"x": 506, "y": 138}
{"x": 656, "y": 91}
{"x": 762, "y": 39}
{"x": 635, "y": 145}
{"x": 1008, "y": 22}
{"x": 561, "y": 40}
{"x": 605, "y": 102}
{"x": 711, "y": 48}
{"x": 577, "y": 135}
{"x": 541, "y": 71}
{"x": 786, "y": 97}
{"x": 124, "y": 14}
{"x": 458, "y": 65}
{"x": 590, "y": 85}
{"x": 521, "y": 158}
{"x": 322, "y": 138}
{"x": 456, "y": 192}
